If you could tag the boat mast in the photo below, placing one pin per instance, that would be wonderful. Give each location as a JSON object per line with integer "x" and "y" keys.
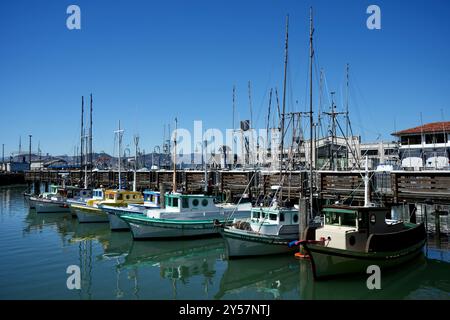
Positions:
{"x": 311, "y": 54}
{"x": 81, "y": 135}
{"x": 346, "y": 114}
{"x": 136, "y": 143}
{"x": 119, "y": 133}
{"x": 366, "y": 184}
{"x": 174, "y": 181}
{"x": 284, "y": 101}
{"x": 90, "y": 141}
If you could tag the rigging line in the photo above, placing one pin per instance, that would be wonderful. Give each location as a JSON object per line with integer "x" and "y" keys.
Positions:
{"x": 351, "y": 149}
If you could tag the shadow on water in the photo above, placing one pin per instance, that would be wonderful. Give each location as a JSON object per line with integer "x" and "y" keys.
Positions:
{"x": 421, "y": 278}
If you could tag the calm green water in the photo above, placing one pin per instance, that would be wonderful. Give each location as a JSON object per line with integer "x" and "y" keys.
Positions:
{"x": 35, "y": 251}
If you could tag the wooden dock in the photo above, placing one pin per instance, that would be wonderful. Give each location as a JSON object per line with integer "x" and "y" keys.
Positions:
{"x": 391, "y": 188}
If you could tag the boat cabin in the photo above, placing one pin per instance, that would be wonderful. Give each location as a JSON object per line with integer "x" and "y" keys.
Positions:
{"x": 176, "y": 202}
{"x": 151, "y": 198}
{"x": 350, "y": 227}
{"x": 274, "y": 216}
{"x": 123, "y": 196}
{"x": 98, "y": 194}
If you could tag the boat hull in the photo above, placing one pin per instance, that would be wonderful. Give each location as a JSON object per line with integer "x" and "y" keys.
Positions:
{"x": 329, "y": 262}
{"x": 148, "y": 228}
{"x": 116, "y": 223}
{"x": 240, "y": 243}
{"x": 91, "y": 215}
{"x": 51, "y": 207}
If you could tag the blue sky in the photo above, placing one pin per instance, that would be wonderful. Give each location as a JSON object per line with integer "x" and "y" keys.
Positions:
{"x": 147, "y": 62}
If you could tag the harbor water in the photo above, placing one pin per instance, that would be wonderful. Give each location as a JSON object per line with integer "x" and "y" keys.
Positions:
{"x": 37, "y": 249}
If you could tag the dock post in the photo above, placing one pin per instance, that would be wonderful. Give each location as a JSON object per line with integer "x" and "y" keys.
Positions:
{"x": 303, "y": 213}
{"x": 162, "y": 195}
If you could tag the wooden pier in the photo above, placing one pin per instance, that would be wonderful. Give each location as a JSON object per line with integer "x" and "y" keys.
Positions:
{"x": 390, "y": 188}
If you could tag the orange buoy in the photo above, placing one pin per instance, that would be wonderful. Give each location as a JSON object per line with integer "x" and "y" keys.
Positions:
{"x": 300, "y": 255}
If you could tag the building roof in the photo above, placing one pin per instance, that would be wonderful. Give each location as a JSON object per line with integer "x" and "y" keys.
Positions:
{"x": 433, "y": 127}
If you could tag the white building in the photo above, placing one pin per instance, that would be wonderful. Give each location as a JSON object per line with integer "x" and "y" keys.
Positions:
{"x": 425, "y": 147}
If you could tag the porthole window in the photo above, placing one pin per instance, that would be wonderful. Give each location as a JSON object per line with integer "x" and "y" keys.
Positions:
{"x": 295, "y": 218}
{"x": 204, "y": 202}
{"x": 373, "y": 219}
{"x": 195, "y": 202}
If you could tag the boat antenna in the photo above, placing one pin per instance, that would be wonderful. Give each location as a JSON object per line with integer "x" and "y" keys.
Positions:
{"x": 174, "y": 181}
{"x": 284, "y": 100}
{"x": 311, "y": 54}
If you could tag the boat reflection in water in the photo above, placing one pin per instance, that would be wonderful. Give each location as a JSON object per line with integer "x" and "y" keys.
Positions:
{"x": 271, "y": 277}
{"x": 420, "y": 278}
{"x": 180, "y": 262}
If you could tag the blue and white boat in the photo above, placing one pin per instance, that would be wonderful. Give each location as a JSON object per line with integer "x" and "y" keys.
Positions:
{"x": 151, "y": 201}
{"x": 184, "y": 216}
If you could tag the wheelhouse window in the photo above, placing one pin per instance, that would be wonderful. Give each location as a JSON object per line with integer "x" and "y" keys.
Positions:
{"x": 119, "y": 196}
{"x": 255, "y": 214}
{"x": 281, "y": 217}
{"x": 185, "y": 203}
{"x": 273, "y": 216}
{"x": 174, "y": 202}
{"x": 347, "y": 219}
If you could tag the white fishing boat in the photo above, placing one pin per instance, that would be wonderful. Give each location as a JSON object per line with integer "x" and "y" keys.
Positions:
{"x": 56, "y": 199}
{"x": 268, "y": 231}
{"x": 184, "y": 216}
{"x": 151, "y": 201}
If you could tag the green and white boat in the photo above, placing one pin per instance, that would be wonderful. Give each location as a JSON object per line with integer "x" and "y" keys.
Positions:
{"x": 353, "y": 238}
{"x": 184, "y": 216}
{"x": 268, "y": 231}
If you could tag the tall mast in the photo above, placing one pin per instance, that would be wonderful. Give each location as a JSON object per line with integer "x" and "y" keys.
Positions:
{"x": 90, "y": 140}
{"x": 234, "y": 106}
{"x": 284, "y": 100}
{"x": 82, "y": 132}
{"x": 268, "y": 126}
{"x": 119, "y": 133}
{"x": 136, "y": 143}
{"x": 311, "y": 54}
{"x": 174, "y": 181}
{"x": 347, "y": 122}
{"x": 250, "y": 150}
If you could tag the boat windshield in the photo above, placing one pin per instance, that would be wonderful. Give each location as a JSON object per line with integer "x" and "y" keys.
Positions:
{"x": 340, "y": 218}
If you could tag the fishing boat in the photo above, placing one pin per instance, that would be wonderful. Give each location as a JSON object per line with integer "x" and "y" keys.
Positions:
{"x": 85, "y": 196}
{"x": 151, "y": 201}
{"x": 92, "y": 212}
{"x": 268, "y": 231}
{"x": 353, "y": 238}
{"x": 184, "y": 216}
{"x": 55, "y": 200}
